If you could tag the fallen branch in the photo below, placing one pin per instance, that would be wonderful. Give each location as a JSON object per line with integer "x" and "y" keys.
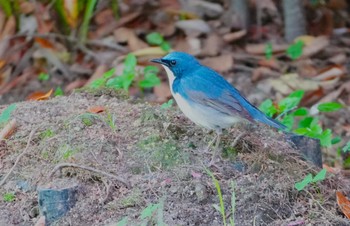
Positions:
{"x": 18, "y": 158}
{"x": 63, "y": 165}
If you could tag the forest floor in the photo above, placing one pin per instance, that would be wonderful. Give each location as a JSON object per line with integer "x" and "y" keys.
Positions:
{"x": 155, "y": 156}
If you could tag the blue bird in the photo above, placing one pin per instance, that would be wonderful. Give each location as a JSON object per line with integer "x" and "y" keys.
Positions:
{"x": 205, "y": 97}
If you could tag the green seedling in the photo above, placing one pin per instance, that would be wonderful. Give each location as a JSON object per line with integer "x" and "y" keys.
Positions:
{"x": 150, "y": 77}
{"x": 58, "y": 92}
{"x": 308, "y": 179}
{"x": 295, "y": 50}
{"x": 46, "y": 134}
{"x": 9, "y": 197}
{"x": 110, "y": 120}
{"x": 155, "y": 38}
{"x": 307, "y": 125}
{"x": 346, "y": 148}
{"x": 6, "y": 114}
{"x": 268, "y": 51}
{"x": 43, "y": 77}
{"x": 167, "y": 105}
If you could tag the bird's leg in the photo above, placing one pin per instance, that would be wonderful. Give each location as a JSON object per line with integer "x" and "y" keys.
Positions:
{"x": 216, "y": 150}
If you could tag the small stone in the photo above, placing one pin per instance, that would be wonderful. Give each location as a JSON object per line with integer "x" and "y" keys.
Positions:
{"x": 201, "y": 191}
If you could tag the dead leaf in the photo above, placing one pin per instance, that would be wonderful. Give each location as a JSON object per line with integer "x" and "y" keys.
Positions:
{"x": 9, "y": 29}
{"x": 331, "y": 169}
{"x": 40, "y": 95}
{"x": 96, "y": 109}
{"x": 189, "y": 45}
{"x": 290, "y": 82}
{"x": 338, "y": 59}
{"x": 272, "y": 63}
{"x": 220, "y": 63}
{"x": 8, "y": 129}
{"x": 129, "y": 36}
{"x": 234, "y": 36}
{"x": 263, "y": 72}
{"x": 317, "y": 45}
{"x": 149, "y": 51}
{"x": 26, "y": 7}
{"x": 103, "y": 17}
{"x": 343, "y": 203}
{"x": 260, "y": 48}
{"x": 44, "y": 43}
{"x": 193, "y": 27}
{"x": 212, "y": 45}
{"x": 77, "y": 83}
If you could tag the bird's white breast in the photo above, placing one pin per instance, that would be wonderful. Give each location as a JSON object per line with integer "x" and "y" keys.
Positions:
{"x": 202, "y": 115}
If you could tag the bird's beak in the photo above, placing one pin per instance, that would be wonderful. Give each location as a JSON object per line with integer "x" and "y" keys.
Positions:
{"x": 160, "y": 61}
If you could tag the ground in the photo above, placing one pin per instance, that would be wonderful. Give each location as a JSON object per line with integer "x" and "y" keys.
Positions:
{"x": 160, "y": 158}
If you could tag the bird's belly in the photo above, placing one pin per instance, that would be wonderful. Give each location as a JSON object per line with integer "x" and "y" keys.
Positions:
{"x": 203, "y": 115}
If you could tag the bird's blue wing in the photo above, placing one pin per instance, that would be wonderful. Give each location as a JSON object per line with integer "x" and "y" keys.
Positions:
{"x": 208, "y": 88}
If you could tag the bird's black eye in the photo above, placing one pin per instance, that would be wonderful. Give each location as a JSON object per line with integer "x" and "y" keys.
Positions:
{"x": 173, "y": 62}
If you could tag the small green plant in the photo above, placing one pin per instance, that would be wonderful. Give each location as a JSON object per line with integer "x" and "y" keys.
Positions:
{"x": 221, "y": 208}
{"x": 9, "y": 197}
{"x": 268, "y": 51}
{"x": 308, "y": 179}
{"x": 155, "y": 38}
{"x": 151, "y": 215}
{"x": 167, "y": 105}
{"x": 295, "y": 50}
{"x": 110, "y": 120}
{"x": 346, "y": 148}
{"x": 46, "y": 134}
{"x": 43, "y": 77}
{"x": 58, "y": 92}
{"x": 6, "y": 114}
{"x": 147, "y": 78}
{"x": 307, "y": 125}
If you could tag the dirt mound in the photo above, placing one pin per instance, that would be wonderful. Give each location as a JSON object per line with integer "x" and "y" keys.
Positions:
{"x": 144, "y": 164}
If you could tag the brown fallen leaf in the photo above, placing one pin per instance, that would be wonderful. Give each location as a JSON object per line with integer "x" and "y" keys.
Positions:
{"x": 261, "y": 72}
{"x": 78, "y": 83}
{"x": 234, "y": 36}
{"x": 8, "y": 129}
{"x": 212, "y": 45}
{"x": 129, "y": 36}
{"x": 317, "y": 45}
{"x": 9, "y": 28}
{"x": 40, "y": 95}
{"x": 290, "y": 82}
{"x": 96, "y": 109}
{"x": 331, "y": 169}
{"x": 343, "y": 203}
{"x": 220, "y": 63}
{"x": 260, "y": 48}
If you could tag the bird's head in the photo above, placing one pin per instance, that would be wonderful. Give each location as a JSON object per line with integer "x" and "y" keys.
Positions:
{"x": 178, "y": 63}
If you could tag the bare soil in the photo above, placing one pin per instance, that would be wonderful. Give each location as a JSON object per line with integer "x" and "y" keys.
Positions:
{"x": 163, "y": 159}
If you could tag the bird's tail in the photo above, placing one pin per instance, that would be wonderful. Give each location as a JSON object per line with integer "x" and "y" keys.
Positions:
{"x": 270, "y": 121}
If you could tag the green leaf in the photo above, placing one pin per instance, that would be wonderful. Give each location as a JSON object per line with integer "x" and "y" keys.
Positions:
{"x": 6, "y": 114}
{"x": 336, "y": 140}
{"x": 302, "y": 184}
{"x": 288, "y": 121}
{"x": 150, "y": 81}
{"x": 268, "y": 51}
{"x": 268, "y": 108}
{"x": 165, "y": 46}
{"x": 326, "y": 138}
{"x": 154, "y": 38}
{"x": 149, "y": 210}
{"x": 109, "y": 73}
{"x": 130, "y": 64}
{"x": 346, "y": 148}
{"x": 301, "y": 131}
{"x": 295, "y": 50}
{"x": 6, "y": 7}
{"x": 301, "y": 112}
{"x": 123, "y": 222}
{"x": 320, "y": 176}
{"x": 97, "y": 83}
{"x": 167, "y": 105}
{"x": 291, "y": 101}
{"x": 329, "y": 107}
{"x": 306, "y": 122}
{"x": 43, "y": 77}
{"x": 121, "y": 82}
{"x": 150, "y": 69}
{"x": 58, "y": 92}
